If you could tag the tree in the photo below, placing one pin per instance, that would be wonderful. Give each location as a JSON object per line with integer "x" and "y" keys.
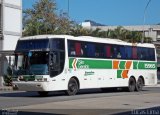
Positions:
{"x": 78, "y": 30}
{"x": 43, "y": 19}
{"x": 135, "y": 36}
{"x": 148, "y": 40}
{"x": 118, "y": 33}
{"x": 63, "y": 24}
{"x": 122, "y": 34}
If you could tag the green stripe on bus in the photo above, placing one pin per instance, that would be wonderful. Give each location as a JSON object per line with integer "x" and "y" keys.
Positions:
{"x": 145, "y": 65}
{"x": 119, "y": 73}
{"x": 135, "y": 65}
{"x": 107, "y": 64}
{"x": 70, "y": 62}
{"x": 92, "y": 64}
{"x": 122, "y": 64}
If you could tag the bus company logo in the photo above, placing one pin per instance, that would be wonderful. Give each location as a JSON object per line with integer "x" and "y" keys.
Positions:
{"x": 81, "y": 64}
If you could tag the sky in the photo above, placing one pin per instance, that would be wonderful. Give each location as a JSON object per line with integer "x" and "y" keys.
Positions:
{"x": 109, "y": 12}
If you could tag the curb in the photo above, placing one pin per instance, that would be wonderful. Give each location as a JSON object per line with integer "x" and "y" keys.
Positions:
{"x": 4, "y": 88}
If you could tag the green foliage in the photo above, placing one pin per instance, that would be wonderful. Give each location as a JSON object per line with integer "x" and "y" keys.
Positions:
{"x": 78, "y": 30}
{"x": 122, "y": 34}
{"x": 8, "y": 77}
{"x": 43, "y": 19}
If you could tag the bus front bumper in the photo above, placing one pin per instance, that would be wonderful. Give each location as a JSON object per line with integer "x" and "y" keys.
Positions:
{"x": 31, "y": 86}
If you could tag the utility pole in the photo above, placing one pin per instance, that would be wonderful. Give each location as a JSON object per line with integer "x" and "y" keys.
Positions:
{"x": 144, "y": 20}
{"x": 1, "y": 44}
{"x": 68, "y": 7}
{"x": 1, "y": 71}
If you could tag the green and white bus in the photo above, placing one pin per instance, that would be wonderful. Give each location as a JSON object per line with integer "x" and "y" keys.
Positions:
{"x": 65, "y": 63}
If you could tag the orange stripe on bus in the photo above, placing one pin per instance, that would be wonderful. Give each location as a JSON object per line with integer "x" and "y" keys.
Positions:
{"x": 128, "y": 64}
{"x": 74, "y": 64}
{"x": 125, "y": 74}
{"x": 116, "y": 64}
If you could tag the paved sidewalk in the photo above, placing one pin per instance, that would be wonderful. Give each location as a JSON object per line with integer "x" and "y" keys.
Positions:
{"x": 114, "y": 103}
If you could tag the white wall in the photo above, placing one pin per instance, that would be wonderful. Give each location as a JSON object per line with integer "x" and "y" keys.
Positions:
{"x": 11, "y": 30}
{"x": 13, "y": 2}
{"x": 12, "y": 20}
{"x": 152, "y": 34}
{"x": 12, "y": 24}
{"x": 9, "y": 42}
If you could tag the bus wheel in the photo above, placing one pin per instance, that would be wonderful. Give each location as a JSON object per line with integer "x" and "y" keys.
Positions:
{"x": 139, "y": 84}
{"x": 72, "y": 87}
{"x": 131, "y": 85}
{"x": 43, "y": 93}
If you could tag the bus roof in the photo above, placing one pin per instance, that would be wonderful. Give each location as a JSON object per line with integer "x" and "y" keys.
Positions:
{"x": 44, "y": 37}
{"x": 89, "y": 39}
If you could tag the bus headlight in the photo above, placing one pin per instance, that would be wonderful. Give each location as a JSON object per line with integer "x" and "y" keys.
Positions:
{"x": 45, "y": 79}
{"x": 40, "y": 78}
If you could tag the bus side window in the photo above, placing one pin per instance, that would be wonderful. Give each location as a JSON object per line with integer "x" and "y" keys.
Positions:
{"x": 54, "y": 64}
{"x": 122, "y": 52}
{"x": 148, "y": 54}
{"x": 139, "y": 53}
{"x": 72, "y": 51}
{"x": 84, "y": 49}
{"x": 128, "y": 52}
{"x": 78, "y": 49}
{"x": 151, "y": 54}
{"x": 75, "y": 48}
{"x": 90, "y": 50}
{"x": 134, "y": 52}
{"x": 99, "y": 50}
{"x": 119, "y": 53}
{"x": 71, "y": 48}
{"x": 144, "y": 54}
{"x": 114, "y": 50}
{"x": 108, "y": 51}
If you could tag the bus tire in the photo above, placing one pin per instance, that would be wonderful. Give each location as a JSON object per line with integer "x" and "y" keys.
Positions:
{"x": 72, "y": 87}
{"x": 139, "y": 84}
{"x": 43, "y": 93}
{"x": 131, "y": 84}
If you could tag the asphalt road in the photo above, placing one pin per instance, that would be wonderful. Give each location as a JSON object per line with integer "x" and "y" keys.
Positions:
{"x": 23, "y": 102}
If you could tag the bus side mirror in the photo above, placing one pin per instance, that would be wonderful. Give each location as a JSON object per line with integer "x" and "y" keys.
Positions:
{"x": 54, "y": 64}
{"x": 53, "y": 60}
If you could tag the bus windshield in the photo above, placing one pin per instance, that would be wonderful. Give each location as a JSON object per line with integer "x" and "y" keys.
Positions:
{"x": 32, "y": 63}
